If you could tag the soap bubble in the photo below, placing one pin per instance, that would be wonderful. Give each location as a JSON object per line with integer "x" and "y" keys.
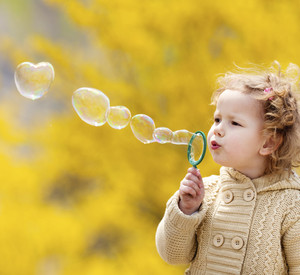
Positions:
{"x": 163, "y": 135}
{"x": 181, "y": 137}
{"x": 143, "y": 127}
{"x": 33, "y": 81}
{"x": 91, "y": 105}
{"x": 118, "y": 117}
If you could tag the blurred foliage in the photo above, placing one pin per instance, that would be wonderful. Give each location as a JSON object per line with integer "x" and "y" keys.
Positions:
{"x": 77, "y": 199}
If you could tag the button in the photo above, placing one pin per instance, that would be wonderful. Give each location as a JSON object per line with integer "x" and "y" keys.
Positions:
{"x": 218, "y": 240}
{"x": 228, "y": 196}
{"x": 237, "y": 243}
{"x": 248, "y": 195}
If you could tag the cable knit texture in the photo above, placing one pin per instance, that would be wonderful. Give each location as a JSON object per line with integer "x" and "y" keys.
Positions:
{"x": 244, "y": 226}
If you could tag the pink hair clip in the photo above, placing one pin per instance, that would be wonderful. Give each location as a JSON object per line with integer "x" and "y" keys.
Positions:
{"x": 268, "y": 91}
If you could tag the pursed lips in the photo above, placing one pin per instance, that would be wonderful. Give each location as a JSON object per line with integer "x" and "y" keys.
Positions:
{"x": 214, "y": 145}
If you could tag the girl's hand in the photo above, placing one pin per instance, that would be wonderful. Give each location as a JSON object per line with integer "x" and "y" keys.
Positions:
{"x": 191, "y": 192}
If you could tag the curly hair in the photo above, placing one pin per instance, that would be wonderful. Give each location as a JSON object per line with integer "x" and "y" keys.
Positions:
{"x": 276, "y": 92}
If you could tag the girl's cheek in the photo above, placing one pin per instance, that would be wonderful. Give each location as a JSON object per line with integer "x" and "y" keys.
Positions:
{"x": 208, "y": 136}
{"x": 210, "y": 132}
{"x": 237, "y": 143}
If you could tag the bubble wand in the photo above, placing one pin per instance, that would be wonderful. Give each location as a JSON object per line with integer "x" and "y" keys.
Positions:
{"x": 190, "y": 153}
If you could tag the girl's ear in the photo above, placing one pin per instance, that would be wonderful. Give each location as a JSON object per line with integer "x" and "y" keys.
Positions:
{"x": 271, "y": 144}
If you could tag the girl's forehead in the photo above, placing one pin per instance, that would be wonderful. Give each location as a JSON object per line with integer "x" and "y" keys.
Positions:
{"x": 235, "y": 97}
{"x": 237, "y": 102}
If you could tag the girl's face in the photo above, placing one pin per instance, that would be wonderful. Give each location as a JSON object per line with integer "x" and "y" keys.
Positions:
{"x": 235, "y": 139}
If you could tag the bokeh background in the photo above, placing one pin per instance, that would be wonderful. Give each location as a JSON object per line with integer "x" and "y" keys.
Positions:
{"x": 78, "y": 199}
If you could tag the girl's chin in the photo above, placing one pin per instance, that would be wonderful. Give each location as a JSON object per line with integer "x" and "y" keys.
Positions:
{"x": 220, "y": 161}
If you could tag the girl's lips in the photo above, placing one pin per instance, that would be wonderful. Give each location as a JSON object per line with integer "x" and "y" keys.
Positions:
{"x": 214, "y": 145}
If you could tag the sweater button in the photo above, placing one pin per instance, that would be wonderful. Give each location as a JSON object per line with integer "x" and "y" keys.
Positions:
{"x": 228, "y": 196}
{"x": 248, "y": 195}
{"x": 237, "y": 243}
{"x": 218, "y": 240}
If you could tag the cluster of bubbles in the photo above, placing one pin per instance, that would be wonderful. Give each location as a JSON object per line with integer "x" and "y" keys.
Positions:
{"x": 93, "y": 107}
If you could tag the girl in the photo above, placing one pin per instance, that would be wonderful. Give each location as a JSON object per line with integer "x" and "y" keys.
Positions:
{"x": 247, "y": 219}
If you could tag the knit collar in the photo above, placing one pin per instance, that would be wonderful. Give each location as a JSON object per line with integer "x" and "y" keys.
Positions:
{"x": 269, "y": 182}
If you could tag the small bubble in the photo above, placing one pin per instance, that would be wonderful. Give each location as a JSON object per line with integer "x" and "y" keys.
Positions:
{"x": 118, "y": 117}
{"x": 163, "y": 135}
{"x": 181, "y": 137}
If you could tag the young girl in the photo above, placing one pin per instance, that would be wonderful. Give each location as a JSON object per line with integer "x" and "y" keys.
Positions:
{"x": 247, "y": 219}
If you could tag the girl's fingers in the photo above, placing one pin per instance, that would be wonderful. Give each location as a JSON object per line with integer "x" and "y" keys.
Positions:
{"x": 195, "y": 179}
{"x": 195, "y": 172}
{"x": 191, "y": 177}
{"x": 188, "y": 190}
{"x": 191, "y": 185}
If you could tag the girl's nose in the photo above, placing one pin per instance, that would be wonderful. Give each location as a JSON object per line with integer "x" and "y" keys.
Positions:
{"x": 219, "y": 131}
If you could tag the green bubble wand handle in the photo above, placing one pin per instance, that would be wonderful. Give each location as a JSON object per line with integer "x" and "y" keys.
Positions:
{"x": 189, "y": 151}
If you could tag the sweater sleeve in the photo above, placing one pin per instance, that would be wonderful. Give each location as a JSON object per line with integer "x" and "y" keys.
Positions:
{"x": 176, "y": 240}
{"x": 291, "y": 243}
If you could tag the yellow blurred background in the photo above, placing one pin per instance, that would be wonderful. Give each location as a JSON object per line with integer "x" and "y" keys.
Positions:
{"x": 78, "y": 199}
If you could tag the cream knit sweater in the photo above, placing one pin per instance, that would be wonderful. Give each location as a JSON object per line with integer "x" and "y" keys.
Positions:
{"x": 244, "y": 226}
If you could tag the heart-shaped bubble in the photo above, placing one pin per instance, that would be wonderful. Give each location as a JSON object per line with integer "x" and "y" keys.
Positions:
{"x": 33, "y": 81}
{"x": 91, "y": 105}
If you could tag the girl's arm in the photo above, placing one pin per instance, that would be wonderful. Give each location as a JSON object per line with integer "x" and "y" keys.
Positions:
{"x": 176, "y": 240}
{"x": 291, "y": 243}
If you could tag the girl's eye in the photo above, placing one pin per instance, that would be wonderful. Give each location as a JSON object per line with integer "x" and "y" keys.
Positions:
{"x": 235, "y": 123}
{"x": 217, "y": 120}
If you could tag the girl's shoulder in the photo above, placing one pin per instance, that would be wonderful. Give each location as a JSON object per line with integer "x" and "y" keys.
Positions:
{"x": 279, "y": 182}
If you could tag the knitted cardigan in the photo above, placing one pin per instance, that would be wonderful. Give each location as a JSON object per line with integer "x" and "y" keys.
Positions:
{"x": 243, "y": 226}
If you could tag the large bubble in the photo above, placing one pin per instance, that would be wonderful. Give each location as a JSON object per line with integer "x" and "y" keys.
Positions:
{"x": 118, "y": 117}
{"x": 91, "y": 105}
{"x": 33, "y": 81}
{"x": 143, "y": 127}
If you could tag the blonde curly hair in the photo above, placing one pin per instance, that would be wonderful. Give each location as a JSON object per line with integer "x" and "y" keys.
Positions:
{"x": 276, "y": 92}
